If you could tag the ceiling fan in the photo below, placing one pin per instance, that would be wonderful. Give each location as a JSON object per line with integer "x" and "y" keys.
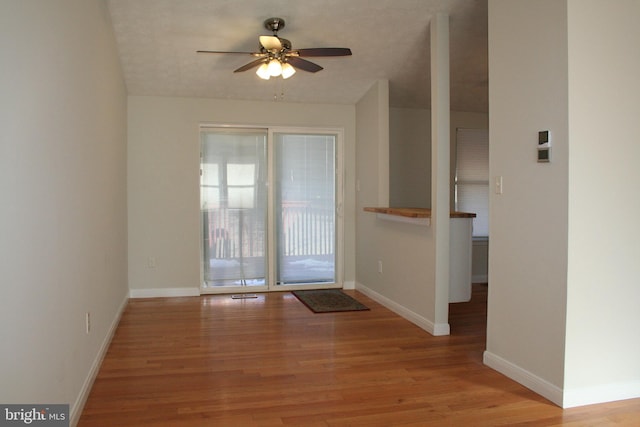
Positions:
{"x": 276, "y": 57}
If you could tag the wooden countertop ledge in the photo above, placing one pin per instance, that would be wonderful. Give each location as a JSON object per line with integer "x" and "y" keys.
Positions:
{"x": 416, "y": 212}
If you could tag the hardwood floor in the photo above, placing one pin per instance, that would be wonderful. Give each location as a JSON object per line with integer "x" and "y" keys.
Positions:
{"x": 270, "y": 361}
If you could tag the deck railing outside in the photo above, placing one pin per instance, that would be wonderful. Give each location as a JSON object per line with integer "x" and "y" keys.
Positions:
{"x": 304, "y": 231}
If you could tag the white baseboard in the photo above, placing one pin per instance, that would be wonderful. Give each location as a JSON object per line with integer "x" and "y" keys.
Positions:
{"x": 164, "y": 292}
{"x": 601, "y": 394}
{"x": 565, "y": 398}
{"x": 435, "y": 329}
{"x": 78, "y": 405}
{"x": 524, "y": 377}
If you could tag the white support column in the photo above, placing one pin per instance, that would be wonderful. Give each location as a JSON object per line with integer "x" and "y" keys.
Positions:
{"x": 383, "y": 143}
{"x": 440, "y": 155}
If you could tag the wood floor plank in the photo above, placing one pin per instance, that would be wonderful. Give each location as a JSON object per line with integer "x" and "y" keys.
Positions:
{"x": 269, "y": 361}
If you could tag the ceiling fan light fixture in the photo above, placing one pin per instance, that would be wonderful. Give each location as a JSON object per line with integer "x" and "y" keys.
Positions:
{"x": 263, "y": 72}
{"x": 275, "y": 55}
{"x": 274, "y": 68}
{"x": 287, "y": 70}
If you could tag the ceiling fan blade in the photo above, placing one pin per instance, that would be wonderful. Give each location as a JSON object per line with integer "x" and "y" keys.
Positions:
{"x": 220, "y": 51}
{"x": 324, "y": 51}
{"x": 270, "y": 42}
{"x": 303, "y": 64}
{"x": 250, "y": 65}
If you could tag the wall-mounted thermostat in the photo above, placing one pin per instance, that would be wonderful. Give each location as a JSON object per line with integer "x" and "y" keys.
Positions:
{"x": 544, "y": 146}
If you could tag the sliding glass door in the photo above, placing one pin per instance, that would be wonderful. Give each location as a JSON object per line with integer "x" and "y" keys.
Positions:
{"x": 305, "y": 208}
{"x": 233, "y": 200}
{"x": 268, "y": 203}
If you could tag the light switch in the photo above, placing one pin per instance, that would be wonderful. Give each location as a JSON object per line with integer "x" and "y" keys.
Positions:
{"x": 544, "y": 146}
{"x": 498, "y": 185}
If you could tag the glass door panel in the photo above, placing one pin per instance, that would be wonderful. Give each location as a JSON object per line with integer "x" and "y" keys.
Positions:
{"x": 305, "y": 208}
{"x": 234, "y": 207}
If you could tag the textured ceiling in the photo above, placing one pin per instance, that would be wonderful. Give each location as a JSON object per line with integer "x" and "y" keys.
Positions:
{"x": 158, "y": 40}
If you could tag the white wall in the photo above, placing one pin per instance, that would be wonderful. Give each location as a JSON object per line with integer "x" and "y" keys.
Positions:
{"x": 410, "y": 157}
{"x": 414, "y": 278}
{"x": 410, "y": 153}
{"x": 63, "y": 185}
{"x": 163, "y": 181}
{"x": 406, "y": 284}
{"x": 410, "y": 164}
{"x": 563, "y": 270}
{"x": 603, "y": 342}
{"x": 528, "y": 222}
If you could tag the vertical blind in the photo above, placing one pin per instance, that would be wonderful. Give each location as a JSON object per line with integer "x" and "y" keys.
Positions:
{"x": 472, "y": 177}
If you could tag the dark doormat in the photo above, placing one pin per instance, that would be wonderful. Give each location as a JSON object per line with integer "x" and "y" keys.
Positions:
{"x": 328, "y": 300}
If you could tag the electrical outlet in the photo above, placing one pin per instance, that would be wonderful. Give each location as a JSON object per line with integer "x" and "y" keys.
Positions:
{"x": 88, "y": 322}
{"x": 151, "y": 262}
{"x": 379, "y": 266}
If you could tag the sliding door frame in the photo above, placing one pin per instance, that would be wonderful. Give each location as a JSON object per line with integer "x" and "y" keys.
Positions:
{"x": 271, "y": 284}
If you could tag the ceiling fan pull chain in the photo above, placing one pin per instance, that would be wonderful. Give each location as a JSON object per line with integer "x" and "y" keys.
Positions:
{"x": 277, "y": 98}
{"x": 275, "y": 91}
